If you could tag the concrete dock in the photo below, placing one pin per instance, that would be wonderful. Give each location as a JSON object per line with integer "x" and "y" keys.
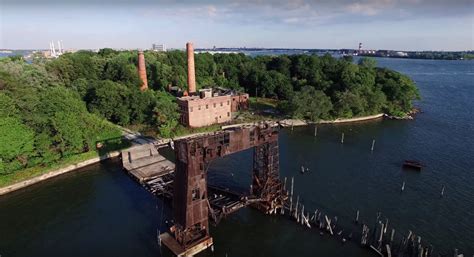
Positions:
{"x": 145, "y": 163}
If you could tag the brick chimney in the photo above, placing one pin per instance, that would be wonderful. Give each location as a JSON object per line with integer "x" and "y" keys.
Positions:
{"x": 191, "y": 74}
{"x": 142, "y": 71}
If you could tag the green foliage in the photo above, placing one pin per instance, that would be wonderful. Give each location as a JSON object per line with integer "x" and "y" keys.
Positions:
{"x": 17, "y": 139}
{"x": 166, "y": 114}
{"x": 42, "y": 121}
{"x": 310, "y": 104}
{"x": 54, "y": 109}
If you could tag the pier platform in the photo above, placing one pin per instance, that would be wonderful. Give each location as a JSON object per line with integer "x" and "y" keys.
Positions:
{"x": 144, "y": 162}
{"x": 169, "y": 241}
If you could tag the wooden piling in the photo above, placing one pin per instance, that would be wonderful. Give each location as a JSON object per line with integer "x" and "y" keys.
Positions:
{"x": 328, "y": 225}
{"x": 342, "y": 138}
{"x": 302, "y": 214}
{"x": 442, "y": 191}
{"x": 357, "y": 217}
{"x": 315, "y": 131}
{"x": 373, "y": 145}
{"x": 403, "y": 186}
{"x": 291, "y": 194}
{"x": 292, "y": 184}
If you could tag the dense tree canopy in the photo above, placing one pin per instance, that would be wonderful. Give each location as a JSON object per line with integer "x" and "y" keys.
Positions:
{"x": 59, "y": 107}
{"x": 108, "y": 81}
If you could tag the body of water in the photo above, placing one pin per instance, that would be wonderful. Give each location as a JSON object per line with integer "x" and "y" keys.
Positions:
{"x": 100, "y": 211}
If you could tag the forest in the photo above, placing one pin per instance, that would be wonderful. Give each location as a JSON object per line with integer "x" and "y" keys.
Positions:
{"x": 54, "y": 108}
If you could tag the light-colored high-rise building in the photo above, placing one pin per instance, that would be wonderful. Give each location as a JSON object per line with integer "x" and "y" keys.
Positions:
{"x": 158, "y": 47}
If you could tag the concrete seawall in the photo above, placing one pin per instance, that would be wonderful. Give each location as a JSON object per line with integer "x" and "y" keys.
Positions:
{"x": 298, "y": 122}
{"x": 371, "y": 117}
{"x": 54, "y": 173}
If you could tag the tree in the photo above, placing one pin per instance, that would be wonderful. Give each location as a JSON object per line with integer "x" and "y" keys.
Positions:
{"x": 311, "y": 104}
{"x": 16, "y": 137}
{"x": 17, "y": 144}
{"x": 166, "y": 115}
{"x": 110, "y": 100}
{"x": 370, "y": 63}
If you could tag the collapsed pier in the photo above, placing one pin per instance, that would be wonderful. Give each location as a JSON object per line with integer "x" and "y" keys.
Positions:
{"x": 185, "y": 181}
{"x": 196, "y": 204}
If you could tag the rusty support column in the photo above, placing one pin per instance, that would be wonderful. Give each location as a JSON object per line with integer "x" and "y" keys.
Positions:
{"x": 190, "y": 206}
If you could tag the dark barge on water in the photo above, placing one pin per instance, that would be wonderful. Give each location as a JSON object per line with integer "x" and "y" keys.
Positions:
{"x": 413, "y": 164}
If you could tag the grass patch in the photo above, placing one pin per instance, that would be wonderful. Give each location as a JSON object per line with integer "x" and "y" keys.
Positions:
{"x": 262, "y": 104}
{"x": 31, "y": 172}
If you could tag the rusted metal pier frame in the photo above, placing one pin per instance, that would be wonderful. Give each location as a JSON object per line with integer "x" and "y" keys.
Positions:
{"x": 191, "y": 205}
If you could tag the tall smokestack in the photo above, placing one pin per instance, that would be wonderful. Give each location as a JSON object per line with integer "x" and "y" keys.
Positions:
{"x": 142, "y": 71}
{"x": 191, "y": 74}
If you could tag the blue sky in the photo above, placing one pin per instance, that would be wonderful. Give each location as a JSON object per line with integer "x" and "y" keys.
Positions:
{"x": 379, "y": 24}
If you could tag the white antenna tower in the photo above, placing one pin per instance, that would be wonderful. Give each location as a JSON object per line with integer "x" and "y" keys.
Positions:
{"x": 59, "y": 48}
{"x": 54, "y": 50}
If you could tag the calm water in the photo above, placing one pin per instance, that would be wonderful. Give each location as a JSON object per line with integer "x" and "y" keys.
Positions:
{"x": 100, "y": 211}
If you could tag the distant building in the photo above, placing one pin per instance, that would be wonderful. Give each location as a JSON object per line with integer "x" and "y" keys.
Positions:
{"x": 209, "y": 106}
{"x": 158, "y": 47}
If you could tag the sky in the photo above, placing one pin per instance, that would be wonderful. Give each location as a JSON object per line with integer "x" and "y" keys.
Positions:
{"x": 329, "y": 24}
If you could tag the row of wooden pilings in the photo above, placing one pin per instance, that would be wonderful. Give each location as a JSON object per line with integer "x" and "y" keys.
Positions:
{"x": 381, "y": 239}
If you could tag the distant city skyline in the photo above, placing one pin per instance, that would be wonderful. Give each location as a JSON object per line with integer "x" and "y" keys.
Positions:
{"x": 379, "y": 24}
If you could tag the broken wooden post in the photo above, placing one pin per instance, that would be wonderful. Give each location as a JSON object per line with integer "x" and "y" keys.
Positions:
{"x": 342, "y": 138}
{"x": 373, "y": 144}
{"x": 381, "y": 234}
{"x": 392, "y": 235}
{"x": 357, "y": 217}
{"x": 302, "y": 214}
{"x": 389, "y": 252}
{"x": 403, "y": 186}
{"x": 291, "y": 194}
{"x": 315, "y": 131}
{"x": 442, "y": 191}
{"x": 328, "y": 225}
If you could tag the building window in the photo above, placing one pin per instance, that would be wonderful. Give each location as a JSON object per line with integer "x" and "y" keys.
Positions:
{"x": 228, "y": 114}
{"x": 221, "y": 103}
{"x": 207, "y": 106}
{"x": 214, "y": 105}
{"x": 191, "y": 109}
{"x": 228, "y": 102}
{"x": 199, "y": 107}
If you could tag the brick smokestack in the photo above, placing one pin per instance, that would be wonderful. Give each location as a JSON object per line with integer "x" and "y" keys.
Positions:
{"x": 191, "y": 74}
{"x": 142, "y": 71}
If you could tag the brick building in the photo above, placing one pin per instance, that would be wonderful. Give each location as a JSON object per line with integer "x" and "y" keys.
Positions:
{"x": 208, "y": 106}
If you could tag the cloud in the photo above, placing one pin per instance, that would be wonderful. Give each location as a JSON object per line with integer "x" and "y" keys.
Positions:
{"x": 289, "y": 12}
{"x": 211, "y": 10}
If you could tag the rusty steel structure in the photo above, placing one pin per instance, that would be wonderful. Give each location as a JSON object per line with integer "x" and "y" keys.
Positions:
{"x": 191, "y": 207}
